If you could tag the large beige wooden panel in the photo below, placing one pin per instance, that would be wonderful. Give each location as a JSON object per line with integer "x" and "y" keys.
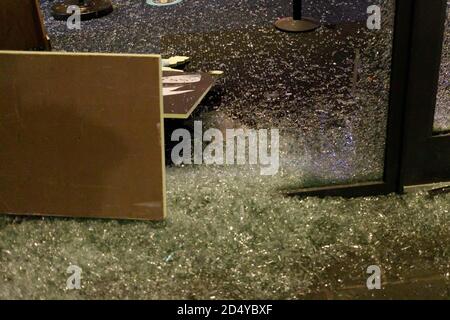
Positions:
{"x": 80, "y": 135}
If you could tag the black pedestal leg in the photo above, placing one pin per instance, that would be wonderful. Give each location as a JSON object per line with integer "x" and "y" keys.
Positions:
{"x": 297, "y": 23}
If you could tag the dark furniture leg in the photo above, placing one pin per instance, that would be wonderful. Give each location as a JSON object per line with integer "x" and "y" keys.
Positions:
{"x": 90, "y": 9}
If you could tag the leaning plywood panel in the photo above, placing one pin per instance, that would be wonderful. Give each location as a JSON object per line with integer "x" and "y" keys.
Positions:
{"x": 80, "y": 135}
{"x": 21, "y": 26}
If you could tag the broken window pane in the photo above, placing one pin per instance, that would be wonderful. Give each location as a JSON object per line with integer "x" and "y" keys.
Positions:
{"x": 442, "y": 113}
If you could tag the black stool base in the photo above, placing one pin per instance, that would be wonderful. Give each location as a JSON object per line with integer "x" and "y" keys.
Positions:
{"x": 291, "y": 25}
{"x": 90, "y": 9}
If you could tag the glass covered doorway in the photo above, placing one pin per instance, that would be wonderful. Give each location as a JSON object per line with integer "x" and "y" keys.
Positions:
{"x": 442, "y": 113}
{"x": 327, "y": 91}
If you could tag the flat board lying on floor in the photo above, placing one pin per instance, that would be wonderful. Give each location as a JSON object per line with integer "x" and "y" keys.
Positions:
{"x": 80, "y": 135}
{"x": 183, "y": 92}
{"x": 21, "y": 26}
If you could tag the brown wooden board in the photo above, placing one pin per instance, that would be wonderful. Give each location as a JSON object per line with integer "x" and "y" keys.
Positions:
{"x": 21, "y": 26}
{"x": 80, "y": 135}
{"x": 180, "y": 97}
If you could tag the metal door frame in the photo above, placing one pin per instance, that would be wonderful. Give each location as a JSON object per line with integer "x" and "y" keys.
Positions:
{"x": 426, "y": 154}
